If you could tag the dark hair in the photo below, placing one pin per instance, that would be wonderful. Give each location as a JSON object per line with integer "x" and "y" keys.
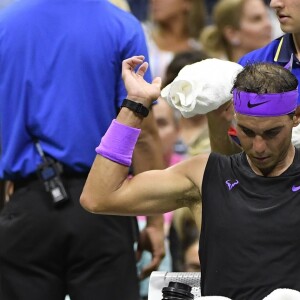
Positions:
{"x": 180, "y": 60}
{"x": 263, "y": 78}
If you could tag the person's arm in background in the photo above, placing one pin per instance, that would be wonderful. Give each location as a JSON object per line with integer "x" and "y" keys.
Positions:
{"x": 148, "y": 156}
{"x": 219, "y": 122}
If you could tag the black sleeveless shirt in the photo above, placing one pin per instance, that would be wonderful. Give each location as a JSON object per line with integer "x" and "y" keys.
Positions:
{"x": 250, "y": 236}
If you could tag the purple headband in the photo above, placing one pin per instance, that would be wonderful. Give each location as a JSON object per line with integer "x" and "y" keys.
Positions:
{"x": 265, "y": 105}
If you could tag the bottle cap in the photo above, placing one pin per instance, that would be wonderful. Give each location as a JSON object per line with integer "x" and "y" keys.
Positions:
{"x": 178, "y": 289}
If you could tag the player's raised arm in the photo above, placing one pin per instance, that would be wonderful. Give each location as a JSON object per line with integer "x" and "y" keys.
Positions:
{"x": 108, "y": 190}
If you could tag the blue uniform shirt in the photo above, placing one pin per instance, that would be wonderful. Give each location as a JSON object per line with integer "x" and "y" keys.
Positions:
{"x": 60, "y": 79}
{"x": 278, "y": 51}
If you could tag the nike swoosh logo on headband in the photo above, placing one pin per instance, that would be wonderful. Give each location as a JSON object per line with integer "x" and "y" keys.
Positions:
{"x": 250, "y": 105}
{"x": 295, "y": 188}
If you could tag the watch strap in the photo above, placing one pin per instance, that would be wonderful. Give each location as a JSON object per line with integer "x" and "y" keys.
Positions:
{"x": 136, "y": 107}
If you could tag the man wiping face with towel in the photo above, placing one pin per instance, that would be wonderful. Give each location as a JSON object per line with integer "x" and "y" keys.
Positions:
{"x": 249, "y": 243}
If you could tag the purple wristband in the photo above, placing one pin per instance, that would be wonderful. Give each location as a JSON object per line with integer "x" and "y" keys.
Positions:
{"x": 118, "y": 143}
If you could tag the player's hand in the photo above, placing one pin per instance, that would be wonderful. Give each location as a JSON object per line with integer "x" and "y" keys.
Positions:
{"x": 137, "y": 87}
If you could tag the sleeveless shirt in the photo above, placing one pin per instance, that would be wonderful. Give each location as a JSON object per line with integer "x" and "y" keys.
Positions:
{"x": 250, "y": 235}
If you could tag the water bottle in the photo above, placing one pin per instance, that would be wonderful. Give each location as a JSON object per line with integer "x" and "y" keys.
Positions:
{"x": 177, "y": 291}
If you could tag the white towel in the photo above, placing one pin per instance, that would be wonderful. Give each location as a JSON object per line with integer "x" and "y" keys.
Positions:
{"x": 213, "y": 298}
{"x": 278, "y": 294}
{"x": 202, "y": 87}
{"x": 296, "y": 136}
{"x": 283, "y": 294}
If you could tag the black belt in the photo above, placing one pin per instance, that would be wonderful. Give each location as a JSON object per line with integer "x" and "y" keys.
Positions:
{"x": 33, "y": 178}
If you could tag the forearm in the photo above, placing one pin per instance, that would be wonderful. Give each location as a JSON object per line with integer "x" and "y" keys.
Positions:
{"x": 148, "y": 151}
{"x": 220, "y": 140}
{"x": 108, "y": 190}
{"x": 148, "y": 156}
{"x": 107, "y": 175}
{"x": 219, "y": 122}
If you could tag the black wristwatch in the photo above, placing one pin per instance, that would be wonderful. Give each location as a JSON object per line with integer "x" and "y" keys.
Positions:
{"x": 138, "y": 108}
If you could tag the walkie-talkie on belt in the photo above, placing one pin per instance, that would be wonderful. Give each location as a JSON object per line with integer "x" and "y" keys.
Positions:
{"x": 49, "y": 173}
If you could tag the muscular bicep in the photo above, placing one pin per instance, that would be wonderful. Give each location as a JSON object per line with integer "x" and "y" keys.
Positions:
{"x": 108, "y": 190}
{"x": 159, "y": 191}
